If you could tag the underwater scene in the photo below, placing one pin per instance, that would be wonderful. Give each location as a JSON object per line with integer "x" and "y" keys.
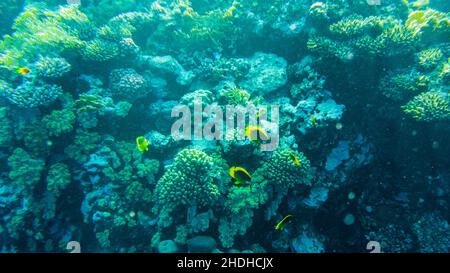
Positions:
{"x": 221, "y": 126}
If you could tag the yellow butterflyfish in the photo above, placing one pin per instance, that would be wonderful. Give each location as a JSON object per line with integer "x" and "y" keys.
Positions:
{"x": 282, "y": 223}
{"x": 256, "y": 133}
{"x": 239, "y": 175}
{"x": 142, "y": 144}
{"x": 23, "y": 70}
{"x": 294, "y": 159}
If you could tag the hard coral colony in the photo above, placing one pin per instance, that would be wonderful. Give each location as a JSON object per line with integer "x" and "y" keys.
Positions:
{"x": 87, "y": 92}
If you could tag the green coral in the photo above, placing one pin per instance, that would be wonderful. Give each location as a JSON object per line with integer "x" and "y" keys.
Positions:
{"x": 36, "y": 138}
{"x": 429, "y": 58}
{"x": 237, "y": 224}
{"x": 124, "y": 25}
{"x": 429, "y": 20}
{"x": 282, "y": 173}
{"x": 327, "y": 47}
{"x": 212, "y": 29}
{"x": 59, "y": 122}
{"x": 83, "y": 144}
{"x": 136, "y": 191}
{"x": 100, "y": 50}
{"x": 240, "y": 198}
{"x": 236, "y": 96}
{"x": 356, "y": 25}
{"x": 58, "y": 178}
{"x": 25, "y": 170}
{"x": 191, "y": 180}
{"x": 403, "y": 85}
{"x": 41, "y": 31}
{"x": 444, "y": 73}
{"x": 48, "y": 67}
{"x": 429, "y": 106}
{"x": 148, "y": 169}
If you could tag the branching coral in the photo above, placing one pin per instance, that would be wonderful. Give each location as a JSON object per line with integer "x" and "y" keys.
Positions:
{"x": 212, "y": 29}
{"x": 237, "y": 224}
{"x": 191, "y": 180}
{"x": 429, "y": 58}
{"x": 25, "y": 170}
{"x": 127, "y": 83}
{"x": 83, "y": 144}
{"x": 282, "y": 173}
{"x": 58, "y": 178}
{"x": 429, "y": 106}
{"x": 420, "y": 21}
{"x": 356, "y": 25}
{"x": 39, "y": 30}
{"x": 32, "y": 94}
{"x": 48, "y": 67}
{"x": 100, "y": 50}
{"x": 403, "y": 85}
{"x": 235, "y": 96}
{"x": 59, "y": 122}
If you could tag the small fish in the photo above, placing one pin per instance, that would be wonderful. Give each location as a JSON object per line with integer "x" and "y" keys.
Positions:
{"x": 254, "y": 133}
{"x": 23, "y": 70}
{"x": 313, "y": 121}
{"x": 239, "y": 175}
{"x": 142, "y": 144}
{"x": 230, "y": 10}
{"x": 280, "y": 225}
{"x": 294, "y": 159}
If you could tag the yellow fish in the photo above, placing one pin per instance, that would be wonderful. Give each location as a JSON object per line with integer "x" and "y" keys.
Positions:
{"x": 230, "y": 10}
{"x": 294, "y": 159}
{"x": 313, "y": 121}
{"x": 280, "y": 225}
{"x": 142, "y": 144}
{"x": 239, "y": 175}
{"x": 254, "y": 133}
{"x": 23, "y": 70}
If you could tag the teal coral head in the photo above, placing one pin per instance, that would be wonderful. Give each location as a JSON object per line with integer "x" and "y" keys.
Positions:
{"x": 25, "y": 170}
{"x": 100, "y": 50}
{"x": 48, "y": 67}
{"x": 127, "y": 83}
{"x": 31, "y": 94}
{"x": 191, "y": 180}
{"x": 283, "y": 173}
{"x": 429, "y": 106}
{"x": 59, "y": 122}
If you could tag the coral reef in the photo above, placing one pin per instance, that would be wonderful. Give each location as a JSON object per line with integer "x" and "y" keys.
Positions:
{"x": 189, "y": 181}
{"x": 354, "y": 96}
{"x": 429, "y": 106}
{"x": 127, "y": 83}
{"x": 33, "y": 94}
